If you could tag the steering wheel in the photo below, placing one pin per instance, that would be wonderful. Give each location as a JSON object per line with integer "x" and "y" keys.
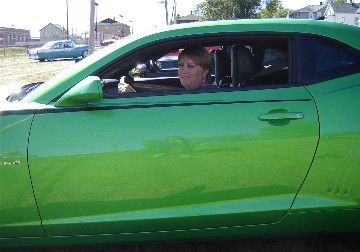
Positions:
{"x": 154, "y": 66}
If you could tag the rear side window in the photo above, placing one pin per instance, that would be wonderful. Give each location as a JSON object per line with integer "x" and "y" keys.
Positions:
{"x": 321, "y": 59}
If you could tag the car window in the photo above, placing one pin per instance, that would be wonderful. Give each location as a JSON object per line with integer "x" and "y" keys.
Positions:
{"x": 238, "y": 62}
{"x": 48, "y": 45}
{"x": 58, "y": 46}
{"x": 322, "y": 59}
{"x": 68, "y": 44}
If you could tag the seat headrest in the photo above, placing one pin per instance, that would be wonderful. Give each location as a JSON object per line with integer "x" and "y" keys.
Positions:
{"x": 222, "y": 66}
{"x": 243, "y": 64}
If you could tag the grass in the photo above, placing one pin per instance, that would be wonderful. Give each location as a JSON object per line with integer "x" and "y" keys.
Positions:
{"x": 12, "y": 52}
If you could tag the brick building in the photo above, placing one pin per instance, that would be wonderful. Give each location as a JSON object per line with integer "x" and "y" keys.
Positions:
{"x": 109, "y": 28}
{"x": 10, "y": 36}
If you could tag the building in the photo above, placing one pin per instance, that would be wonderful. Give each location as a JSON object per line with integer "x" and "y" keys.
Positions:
{"x": 52, "y": 32}
{"x": 347, "y": 13}
{"x": 310, "y": 12}
{"x": 188, "y": 19}
{"x": 10, "y": 36}
{"x": 109, "y": 28}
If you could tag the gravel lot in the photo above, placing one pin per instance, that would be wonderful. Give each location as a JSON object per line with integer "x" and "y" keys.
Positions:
{"x": 20, "y": 70}
{"x": 16, "y": 70}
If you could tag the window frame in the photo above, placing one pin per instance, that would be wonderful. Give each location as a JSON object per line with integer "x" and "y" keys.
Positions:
{"x": 133, "y": 57}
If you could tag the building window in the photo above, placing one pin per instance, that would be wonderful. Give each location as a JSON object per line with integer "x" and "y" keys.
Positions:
{"x": 311, "y": 15}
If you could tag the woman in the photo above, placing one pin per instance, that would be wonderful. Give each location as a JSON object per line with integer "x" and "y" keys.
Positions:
{"x": 194, "y": 67}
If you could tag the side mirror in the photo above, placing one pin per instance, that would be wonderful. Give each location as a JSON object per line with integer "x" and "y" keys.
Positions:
{"x": 86, "y": 91}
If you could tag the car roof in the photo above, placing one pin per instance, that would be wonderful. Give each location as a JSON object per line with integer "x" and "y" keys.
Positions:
{"x": 318, "y": 27}
{"x": 60, "y": 41}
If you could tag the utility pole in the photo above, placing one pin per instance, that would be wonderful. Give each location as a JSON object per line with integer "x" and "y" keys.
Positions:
{"x": 92, "y": 27}
{"x": 173, "y": 15}
{"x": 67, "y": 20}
{"x": 166, "y": 11}
{"x": 96, "y": 27}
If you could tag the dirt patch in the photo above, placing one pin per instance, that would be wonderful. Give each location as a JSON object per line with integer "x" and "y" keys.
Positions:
{"x": 19, "y": 70}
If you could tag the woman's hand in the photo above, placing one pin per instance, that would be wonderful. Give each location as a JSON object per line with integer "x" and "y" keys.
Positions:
{"x": 124, "y": 87}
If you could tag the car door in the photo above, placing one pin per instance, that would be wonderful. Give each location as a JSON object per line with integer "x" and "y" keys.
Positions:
{"x": 170, "y": 162}
{"x": 58, "y": 50}
{"x": 19, "y": 215}
{"x": 70, "y": 50}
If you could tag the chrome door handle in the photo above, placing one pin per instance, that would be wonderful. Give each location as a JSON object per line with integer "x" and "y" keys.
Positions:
{"x": 282, "y": 116}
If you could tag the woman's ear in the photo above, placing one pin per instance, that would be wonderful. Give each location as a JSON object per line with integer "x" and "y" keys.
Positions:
{"x": 205, "y": 73}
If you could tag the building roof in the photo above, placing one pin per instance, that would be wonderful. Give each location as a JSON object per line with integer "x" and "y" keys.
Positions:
{"x": 8, "y": 29}
{"x": 55, "y": 25}
{"x": 109, "y": 21}
{"x": 190, "y": 17}
{"x": 312, "y": 8}
{"x": 344, "y": 8}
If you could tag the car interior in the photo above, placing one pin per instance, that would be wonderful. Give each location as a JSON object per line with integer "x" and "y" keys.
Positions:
{"x": 237, "y": 63}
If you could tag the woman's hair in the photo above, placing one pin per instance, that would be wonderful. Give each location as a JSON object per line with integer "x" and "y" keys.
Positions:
{"x": 200, "y": 56}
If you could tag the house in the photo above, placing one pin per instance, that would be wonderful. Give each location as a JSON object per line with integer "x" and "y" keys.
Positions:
{"x": 347, "y": 13}
{"x": 11, "y": 36}
{"x": 52, "y": 32}
{"x": 109, "y": 28}
{"x": 310, "y": 12}
{"x": 188, "y": 19}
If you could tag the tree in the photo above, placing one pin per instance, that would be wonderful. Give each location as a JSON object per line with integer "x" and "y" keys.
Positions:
{"x": 274, "y": 9}
{"x": 227, "y": 9}
{"x": 246, "y": 8}
{"x": 271, "y": 7}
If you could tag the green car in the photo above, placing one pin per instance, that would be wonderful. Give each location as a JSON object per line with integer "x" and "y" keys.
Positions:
{"x": 273, "y": 149}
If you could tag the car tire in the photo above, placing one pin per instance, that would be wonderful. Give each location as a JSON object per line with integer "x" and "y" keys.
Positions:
{"x": 85, "y": 54}
{"x": 50, "y": 59}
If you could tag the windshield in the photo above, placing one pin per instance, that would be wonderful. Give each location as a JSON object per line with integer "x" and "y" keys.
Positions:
{"x": 23, "y": 91}
{"x": 48, "y": 45}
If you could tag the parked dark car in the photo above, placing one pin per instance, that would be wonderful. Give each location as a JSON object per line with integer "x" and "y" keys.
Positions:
{"x": 60, "y": 49}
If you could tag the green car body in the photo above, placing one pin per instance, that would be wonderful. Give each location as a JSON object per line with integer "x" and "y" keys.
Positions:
{"x": 78, "y": 167}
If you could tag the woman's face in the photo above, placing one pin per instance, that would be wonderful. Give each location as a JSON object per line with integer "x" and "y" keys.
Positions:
{"x": 191, "y": 75}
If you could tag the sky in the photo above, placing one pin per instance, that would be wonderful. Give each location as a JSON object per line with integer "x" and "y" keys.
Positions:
{"x": 141, "y": 15}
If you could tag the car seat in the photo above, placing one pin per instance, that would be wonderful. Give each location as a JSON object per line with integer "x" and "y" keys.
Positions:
{"x": 222, "y": 67}
{"x": 243, "y": 65}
